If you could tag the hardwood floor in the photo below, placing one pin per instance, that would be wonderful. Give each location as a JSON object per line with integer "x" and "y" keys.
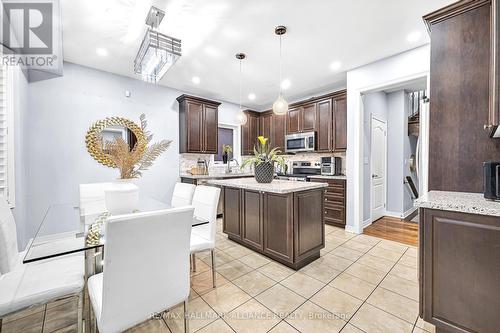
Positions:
{"x": 394, "y": 229}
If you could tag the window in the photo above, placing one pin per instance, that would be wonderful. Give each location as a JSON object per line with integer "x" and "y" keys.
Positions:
{"x": 7, "y": 103}
{"x": 225, "y": 138}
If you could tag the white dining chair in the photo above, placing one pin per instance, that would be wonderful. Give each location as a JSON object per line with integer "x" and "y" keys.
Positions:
{"x": 205, "y": 201}
{"x": 27, "y": 285}
{"x": 183, "y": 195}
{"x": 136, "y": 282}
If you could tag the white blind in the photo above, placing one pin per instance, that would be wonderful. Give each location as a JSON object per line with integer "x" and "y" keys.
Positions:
{"x": 4, "y": 105}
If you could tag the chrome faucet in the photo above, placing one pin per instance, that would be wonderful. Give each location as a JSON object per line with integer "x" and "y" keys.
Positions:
{"x": 229, "y": 165}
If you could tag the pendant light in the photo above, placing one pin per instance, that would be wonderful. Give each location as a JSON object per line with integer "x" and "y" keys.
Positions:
{"x": 241, "y": 117}
{"x": 280, "y": 107}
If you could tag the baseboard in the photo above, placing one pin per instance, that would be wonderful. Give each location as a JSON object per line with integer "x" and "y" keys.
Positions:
{"x": 409, "y": 212}
{"x": 366, "y": 223}
{"x": 350, "y": 228}
{"x": 392, "y": 214}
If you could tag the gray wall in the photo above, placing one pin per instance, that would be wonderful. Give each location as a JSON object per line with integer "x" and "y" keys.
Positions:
{"x": 59, "y": 113}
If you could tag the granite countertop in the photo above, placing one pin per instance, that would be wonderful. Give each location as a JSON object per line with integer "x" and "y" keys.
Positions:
{"x": 216, "y": 175}
{"x": 341, "y": 177}
{"x": 472, "y": 203}
{"x": 277, "y": 186}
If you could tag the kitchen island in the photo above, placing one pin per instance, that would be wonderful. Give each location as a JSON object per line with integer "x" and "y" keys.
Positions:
{"x": 282, "y": 220}
{"x": 459, "y": 261}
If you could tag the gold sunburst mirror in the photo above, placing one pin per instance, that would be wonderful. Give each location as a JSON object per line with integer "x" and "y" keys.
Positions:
{"x": 106, "y": 130}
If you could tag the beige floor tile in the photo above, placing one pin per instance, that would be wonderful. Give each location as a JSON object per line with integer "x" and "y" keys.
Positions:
{"x": 347, "y": 253}
{"x": 283, "y": 327}
{"x": 428, "y": 327}
{"x": 201, "y": 267}
{"x": 361, "y": 247}
{"x": 341, "y": 233}
{"x": 193, "y": 294}
{"x": 237, "y": 251}
{"x": 153, "y": 325}
{"x": 276, "y": 271}
{"x": 233, "y": 270}
{"x": 418, "y": 330}
{"x": 409, "y": 261}
{"x": 223, "y": 244}
{"x": 202, "y": 283}
{"x": 32, "y": 323}
{"x": 218, "y": 326}
{"x": 412, "y": 251}
{"x": 331, "y": 228}
{"x": 200, "y": 315}
{"x": 353, "y": 286}
{"x": 24, "y": 313}
{"x": 401, "y": 286}
{"x": 310, "y": 318}
{"x": 252, "y": 317}
{"x": 393, "y": 246}
{"x": 323, "y": 252}
{"x": 370, "y": 319}
{"x": 221, "y": 258}
{"x": 405, "y": 272}
{"x": 351, "y": 329}
{"x": 329, "y": 246}
{"x": 367, "y": 239}
{"x": 381, "y": 264}
{"x": 384, "y": 253}
{"x": 366, "y": 273}
{"x": 337, "y": 302}
{"x": 280, "y": 300}
{"x": 226, "y": 298}
{"x": 254, "y": 283}
{"x": 395, "y": 304}
{"x": 336, "y": 262}
{"x": 254, "y": 260}
{"x": 302, "y": 284}
{"x": 74, "y": 329}
{"x": 321, "y": 272}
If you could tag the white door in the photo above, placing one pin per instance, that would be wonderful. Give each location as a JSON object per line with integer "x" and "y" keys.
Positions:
{"x": 378, "y": 167}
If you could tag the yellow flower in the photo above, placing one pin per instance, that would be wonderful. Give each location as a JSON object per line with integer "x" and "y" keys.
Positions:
{"x": 262, "y": 140}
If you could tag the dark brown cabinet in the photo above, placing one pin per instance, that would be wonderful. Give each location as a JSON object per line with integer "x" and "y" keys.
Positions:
{"x": 288, "y": 228}
{"x": 335, "y": 201}
{"x": 340, "y": 123}
{"x": 460, "y": 93}
{"x": 302, "y": 119}
{"x": 459, "y": 271}
{"x": 265, "y": 125}
{"x": 325, "y": 127}
{"x": 198, "y": 125}
{"x": 293, "y": 120}
{"x": 278, "y": 131}
{"x": 250, "y": 132}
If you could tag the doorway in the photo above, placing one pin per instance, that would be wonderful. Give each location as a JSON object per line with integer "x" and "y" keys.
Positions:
{"x": 378, "y": 168}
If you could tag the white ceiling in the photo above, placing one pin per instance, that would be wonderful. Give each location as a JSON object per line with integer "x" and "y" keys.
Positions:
{"x": 320, "y": 32}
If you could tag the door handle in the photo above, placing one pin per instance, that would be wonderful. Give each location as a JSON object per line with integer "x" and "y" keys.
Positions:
{"x": 375, "y": 176}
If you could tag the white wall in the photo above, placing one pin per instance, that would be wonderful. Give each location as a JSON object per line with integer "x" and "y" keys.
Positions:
{"x": 399, "y": 68}
{"x": 60, "y": 113}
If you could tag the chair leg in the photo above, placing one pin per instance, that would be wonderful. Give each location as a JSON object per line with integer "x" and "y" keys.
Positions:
{"x": 194, "y": 262}
{"x": 186, "y": 316}
{"x": 212, "y": 253}
{"x": 0, "y": 325}
{"x": 80, "y": 312}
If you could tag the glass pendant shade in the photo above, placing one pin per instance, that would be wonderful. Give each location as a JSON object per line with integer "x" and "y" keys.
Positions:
{"x": 280, "y": 107}
{"x": 242, "y": 118}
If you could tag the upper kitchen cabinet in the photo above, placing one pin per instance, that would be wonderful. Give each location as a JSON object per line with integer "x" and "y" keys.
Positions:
{"x": 325, "y": 127}
{"x": 249, "y": 132}
{"x": 265, "y": 123}
{"x": 340, "y": 122}
{"x": 460, "y": 92}
{"x": 278, "y": 131}
{"x": 494, "y": 112}
{"x": 331, "y": 131}
{"x": 302, "y": 118}
{"x": 198, "y": 125}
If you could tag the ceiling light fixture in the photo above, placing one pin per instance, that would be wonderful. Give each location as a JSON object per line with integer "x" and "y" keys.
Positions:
{"x": 251, "y": 96}
{"x": 101, "y": 51}
{"x": 195, "y": 80}
{"x": 241, "y": 117}
{"x": 280, "y": 107}
{"x": 414, "y": 36}
{"x": 158, "y": 52}
{"x": 285, "y": 84}
{"x": 335, "y": 66}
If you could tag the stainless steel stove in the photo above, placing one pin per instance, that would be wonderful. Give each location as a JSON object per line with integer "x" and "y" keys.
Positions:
{"x": 301, "y": 170}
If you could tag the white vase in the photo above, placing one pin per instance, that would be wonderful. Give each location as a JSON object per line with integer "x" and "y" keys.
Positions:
{"x": 121, "y": 197}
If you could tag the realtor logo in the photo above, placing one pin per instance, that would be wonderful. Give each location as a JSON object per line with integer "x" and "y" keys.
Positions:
{"x": 27, "y": 27}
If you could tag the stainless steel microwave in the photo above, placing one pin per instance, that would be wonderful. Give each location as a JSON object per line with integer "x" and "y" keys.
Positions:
{"x": 300, "y": 142}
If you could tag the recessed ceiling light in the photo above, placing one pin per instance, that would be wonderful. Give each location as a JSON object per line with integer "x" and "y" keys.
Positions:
{"x": 285, "y": 84}
{"x": 335, "y": 65}
{"x": 101, "y": 51}
{"x": 195, "y": 80}
{"x": 414, "y": 36}
{"x": 251, "y": 96}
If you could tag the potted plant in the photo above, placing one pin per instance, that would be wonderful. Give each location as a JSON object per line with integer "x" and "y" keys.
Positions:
{"x": 226, "y": 150}
{"x": 263, "y": 160}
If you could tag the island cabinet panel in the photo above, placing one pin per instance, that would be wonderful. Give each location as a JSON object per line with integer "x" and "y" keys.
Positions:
{"x": 308, "y": 223}
{"x": 459, "y": 271}
{"x": 278, "y": 226}
{"x": 232, "y": 213}
{"x": 252, "y": 229}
